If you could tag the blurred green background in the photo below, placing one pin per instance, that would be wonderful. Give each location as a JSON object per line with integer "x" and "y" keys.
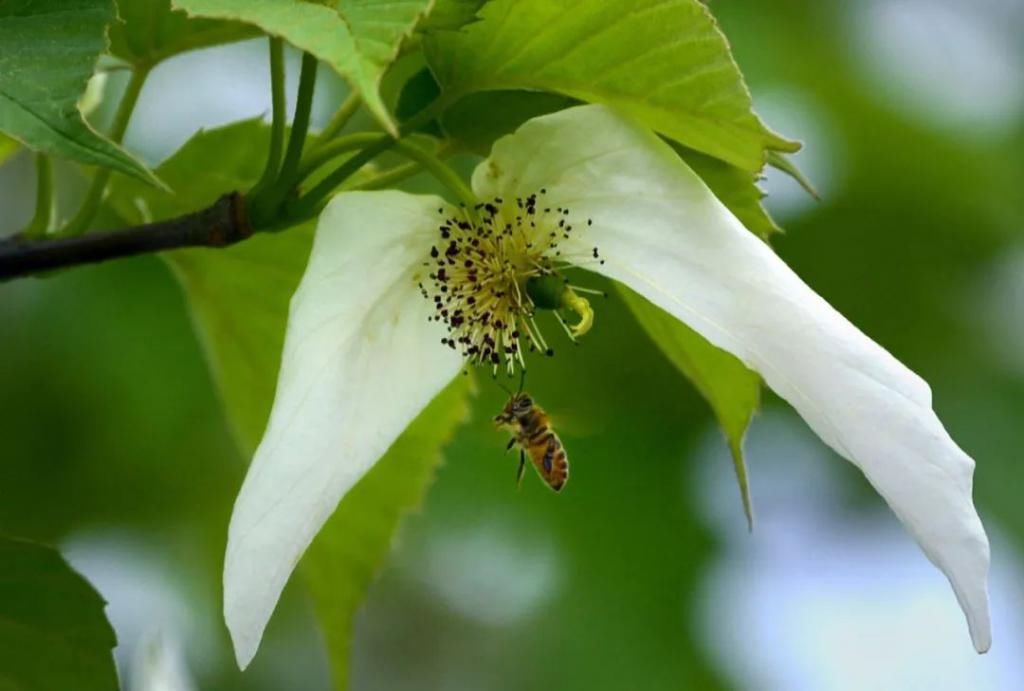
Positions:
{"x": 641, "y": 574}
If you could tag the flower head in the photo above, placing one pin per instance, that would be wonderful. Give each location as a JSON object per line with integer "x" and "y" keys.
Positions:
{"x": 364, "y": 352}
{"x": 491, "y": 270}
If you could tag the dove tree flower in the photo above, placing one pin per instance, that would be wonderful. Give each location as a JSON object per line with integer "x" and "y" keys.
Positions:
{"x": 401, "y": 291}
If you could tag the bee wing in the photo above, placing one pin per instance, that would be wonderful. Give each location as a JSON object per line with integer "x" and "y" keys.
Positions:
{"x": 573, "y": 424}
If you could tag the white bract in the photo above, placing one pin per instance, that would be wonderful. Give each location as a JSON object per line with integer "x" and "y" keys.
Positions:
{"x": 365, "y": 352}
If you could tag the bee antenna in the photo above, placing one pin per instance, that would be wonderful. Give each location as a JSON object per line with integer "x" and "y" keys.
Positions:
{"x": 522, "y": 379}
{"x": 503, "y": 387}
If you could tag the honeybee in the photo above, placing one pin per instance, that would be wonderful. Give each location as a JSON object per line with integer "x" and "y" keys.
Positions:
{"x": 532, "y": 432}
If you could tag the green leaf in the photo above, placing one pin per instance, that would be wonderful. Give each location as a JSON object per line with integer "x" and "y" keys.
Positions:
{"x": 732, "y": 390}
{"x": 735, "y": 187}
{"x": 54, "y": 635}
{"x": 239, "y": 303}
{"x": 148, "y": 31}
{"x": 345, "y": 556}
{"x": 238, "y": 298}
{"x": 479, "y": 119}
{"x": 358, "y": 38}
{"x": 449, "y": 15}
{"x": 8, "y": 147}
{"x": 782, "y": 162}
{"x": 210, "y": 164}
{"x": 663, "y": 62}
{"x": 418, "y": 92}
{"x": 49, "y": 51}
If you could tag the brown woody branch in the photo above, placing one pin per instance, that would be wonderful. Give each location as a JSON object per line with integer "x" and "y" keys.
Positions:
{"x": 223, "y": 223}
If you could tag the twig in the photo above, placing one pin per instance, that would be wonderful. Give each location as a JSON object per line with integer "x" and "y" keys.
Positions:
{"x": 223, "y": 223}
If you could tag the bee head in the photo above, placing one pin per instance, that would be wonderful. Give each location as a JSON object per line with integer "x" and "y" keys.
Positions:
{"x": 521, "y": 403}
{"x": 517, "y": 406}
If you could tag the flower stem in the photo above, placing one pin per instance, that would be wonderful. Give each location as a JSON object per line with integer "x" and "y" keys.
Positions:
{"x": 440, "y": 170}
{"x": 277, "y": 87}
{"x": 368, "y": 141}
{"x": 309, "y": 205}
{"x": 79, "y": 223}
{"x": 389, "y": 177}
{"x": 401, "y": 172}
{"x": 341, "y": 117}
{"x": 334, "y": 148}
{"x": 40, "y": 223}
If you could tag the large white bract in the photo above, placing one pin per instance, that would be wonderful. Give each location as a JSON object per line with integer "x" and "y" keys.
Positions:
{"x": 364, "y": 352}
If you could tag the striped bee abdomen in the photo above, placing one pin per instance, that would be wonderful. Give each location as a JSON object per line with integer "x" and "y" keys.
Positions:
{"x": 549, "y": 457}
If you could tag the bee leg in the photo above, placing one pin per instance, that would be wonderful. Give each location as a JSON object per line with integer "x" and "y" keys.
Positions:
{"x": 511, "y": 443}
{"x": 522, "y": 467}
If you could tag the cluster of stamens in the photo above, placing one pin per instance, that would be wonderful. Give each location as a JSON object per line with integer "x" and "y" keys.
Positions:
{"x": 484, "y": 270}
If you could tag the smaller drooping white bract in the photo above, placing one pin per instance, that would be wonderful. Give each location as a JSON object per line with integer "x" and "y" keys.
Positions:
{"x": 365, "y": 352}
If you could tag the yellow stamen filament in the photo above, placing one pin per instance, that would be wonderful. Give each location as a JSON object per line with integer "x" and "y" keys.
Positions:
{"x": 479, "y": 274}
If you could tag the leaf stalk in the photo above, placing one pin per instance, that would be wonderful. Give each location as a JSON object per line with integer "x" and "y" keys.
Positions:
{"x": 279, "y": 117}
{"x": 266, "y": 203}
